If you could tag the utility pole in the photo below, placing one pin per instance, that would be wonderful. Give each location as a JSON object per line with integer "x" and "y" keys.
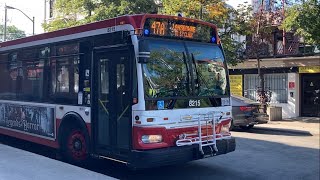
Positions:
{"x": 5, "y": 24}
{"x": 201, "y": 9}
{"x": 45, "y": 12}
{"x": 283, "y": 31}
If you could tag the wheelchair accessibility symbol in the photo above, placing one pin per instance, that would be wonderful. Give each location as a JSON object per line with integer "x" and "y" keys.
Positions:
{"x": 160, "y": 104}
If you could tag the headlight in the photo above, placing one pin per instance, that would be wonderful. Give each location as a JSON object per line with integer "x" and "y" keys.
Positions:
{"x": 225, "y": 129}
{"x": 147, "y": 139}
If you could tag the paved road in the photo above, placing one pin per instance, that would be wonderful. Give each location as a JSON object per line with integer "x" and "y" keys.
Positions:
{"x": 275, "y": 151}
{"x": 261, "y": 153}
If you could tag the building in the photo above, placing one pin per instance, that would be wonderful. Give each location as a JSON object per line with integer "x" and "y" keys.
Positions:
{"x": 291, "y": 71}
{"x": 294, "y": 83}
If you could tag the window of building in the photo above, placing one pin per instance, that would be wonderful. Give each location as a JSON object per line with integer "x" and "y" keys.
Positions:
{"x": 275, "y": 83}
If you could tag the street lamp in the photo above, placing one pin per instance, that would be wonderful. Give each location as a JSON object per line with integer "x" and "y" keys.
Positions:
{"x": 5, "y": 20}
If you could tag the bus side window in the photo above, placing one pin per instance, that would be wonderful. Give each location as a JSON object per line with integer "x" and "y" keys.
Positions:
{"x": 65, "y": 78}
{"x": 5, "y": 89}
{"x": 32, "y": 83}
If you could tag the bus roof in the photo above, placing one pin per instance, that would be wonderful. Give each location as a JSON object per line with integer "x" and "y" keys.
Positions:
{"x": 136, "y": 21}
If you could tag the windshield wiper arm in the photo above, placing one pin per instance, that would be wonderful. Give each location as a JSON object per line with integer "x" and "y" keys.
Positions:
{"x": 176, "y": 91}
{"x": 188, "y": 72}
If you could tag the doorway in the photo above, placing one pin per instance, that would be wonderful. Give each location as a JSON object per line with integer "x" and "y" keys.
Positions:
{"x": 310, "y": 101}
{"x": 112, "y": 101}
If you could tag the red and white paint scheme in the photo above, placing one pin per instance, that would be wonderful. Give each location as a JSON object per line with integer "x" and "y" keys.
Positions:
{"x": 145, "y": 90}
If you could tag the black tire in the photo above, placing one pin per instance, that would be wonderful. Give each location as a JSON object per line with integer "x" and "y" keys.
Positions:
{"x": 75, "y": 146}
{"x": 231, "y": 126}
{"x": 246, "y": 127}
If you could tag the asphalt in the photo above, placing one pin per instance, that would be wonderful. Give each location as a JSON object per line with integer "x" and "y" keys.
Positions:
{"x": 17, "y": 164}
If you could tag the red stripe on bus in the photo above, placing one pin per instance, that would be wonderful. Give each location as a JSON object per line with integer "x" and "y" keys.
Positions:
{"x": 27, "y": 137}
{"x": 136, "y": 21}
{"x": 89, "y": 128}
{"x": 39, "y": 140}
{"x": 169, "y": 136}
{"x": 75, "y": 30}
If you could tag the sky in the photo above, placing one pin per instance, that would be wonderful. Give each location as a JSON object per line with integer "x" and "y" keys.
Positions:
{"x": 32, "y": 8}
{"x": 235, "y": 3}
{"x": 35, "y": 8}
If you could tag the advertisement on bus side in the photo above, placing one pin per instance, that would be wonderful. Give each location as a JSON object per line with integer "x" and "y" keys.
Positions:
{"x": 30, "y": 119}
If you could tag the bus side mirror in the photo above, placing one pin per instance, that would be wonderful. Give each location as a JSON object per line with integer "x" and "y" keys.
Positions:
{"x": 144, "y": 51}
{"x": 143, "y": 57}
{"x": 126, "y": 36}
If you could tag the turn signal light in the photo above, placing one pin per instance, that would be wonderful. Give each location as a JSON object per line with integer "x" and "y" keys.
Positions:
{"x": 149, "y": 119}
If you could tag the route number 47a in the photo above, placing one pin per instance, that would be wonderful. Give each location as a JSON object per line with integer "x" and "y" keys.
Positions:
{"x": 194, "y": 103}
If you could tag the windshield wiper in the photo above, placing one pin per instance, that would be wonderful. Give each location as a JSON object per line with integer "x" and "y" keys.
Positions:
{"x": 188, "y": 72}
{"x": 177, "y": 91}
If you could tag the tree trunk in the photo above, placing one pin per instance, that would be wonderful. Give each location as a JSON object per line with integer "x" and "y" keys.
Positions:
{"x": 261, "y": 89}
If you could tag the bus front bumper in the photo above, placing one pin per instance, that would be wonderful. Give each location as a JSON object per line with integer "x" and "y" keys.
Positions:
{"x": 177, "y": 155}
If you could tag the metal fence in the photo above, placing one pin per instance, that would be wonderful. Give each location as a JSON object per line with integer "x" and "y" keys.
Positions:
{"x": 275, "y": 83}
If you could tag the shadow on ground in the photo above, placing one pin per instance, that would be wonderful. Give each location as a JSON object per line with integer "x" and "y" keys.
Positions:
{"x": 275, "y": 131}
{"x": 253, "y": 159}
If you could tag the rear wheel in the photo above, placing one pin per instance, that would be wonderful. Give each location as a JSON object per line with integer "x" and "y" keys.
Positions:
{"x": 247, "y": 127}
{"x": 75, "y": 146}
{"x": 231, "y": 126}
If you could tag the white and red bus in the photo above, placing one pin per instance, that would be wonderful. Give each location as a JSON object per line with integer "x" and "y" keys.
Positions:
{"x": 144, "y": 90}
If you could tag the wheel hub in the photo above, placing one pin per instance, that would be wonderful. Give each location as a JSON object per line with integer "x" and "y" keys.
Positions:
{"x": 77, "y": 145}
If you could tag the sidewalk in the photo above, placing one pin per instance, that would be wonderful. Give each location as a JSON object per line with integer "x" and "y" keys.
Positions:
{"x": 304, "y": 119}
{"x": 16, "y": 164}
{"x": 298, "y": 124}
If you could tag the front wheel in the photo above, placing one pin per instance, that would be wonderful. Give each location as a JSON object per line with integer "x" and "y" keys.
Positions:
{"x": 247, "y": 127}
{"x": 75, "y": 146}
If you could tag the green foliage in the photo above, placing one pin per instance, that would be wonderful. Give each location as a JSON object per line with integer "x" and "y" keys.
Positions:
{"x": 304, "y": 19}
{"x": 12, "y": 32}
{"x": 214, "y": 11}
{"x": 237, "y": 23}
{"x": 76, "y": 12}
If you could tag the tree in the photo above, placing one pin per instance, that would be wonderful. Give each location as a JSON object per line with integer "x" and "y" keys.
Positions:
{"x": 261, "y": 26}
{"x": 304, "y": 19}
{"x": 237, "y": 24}
{"x": 214, "y": 11}
{"x": 12, "y": 32}
{"x": 76, "y": 12}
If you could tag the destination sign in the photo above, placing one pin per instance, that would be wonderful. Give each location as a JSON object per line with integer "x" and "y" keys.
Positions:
{"x": 179, "y": 29}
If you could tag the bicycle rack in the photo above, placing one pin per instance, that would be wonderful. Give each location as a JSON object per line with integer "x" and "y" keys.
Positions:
{"x": 207, "y": 139}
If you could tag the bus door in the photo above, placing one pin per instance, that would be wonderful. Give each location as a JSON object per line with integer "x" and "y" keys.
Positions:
{"x": 112, "y": 101}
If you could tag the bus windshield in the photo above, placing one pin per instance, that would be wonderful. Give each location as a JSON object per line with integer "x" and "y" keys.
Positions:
{"x": 184, "y": 69}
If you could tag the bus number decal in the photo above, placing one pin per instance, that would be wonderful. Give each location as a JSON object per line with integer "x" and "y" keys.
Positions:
{"x": 194, "y": 103}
